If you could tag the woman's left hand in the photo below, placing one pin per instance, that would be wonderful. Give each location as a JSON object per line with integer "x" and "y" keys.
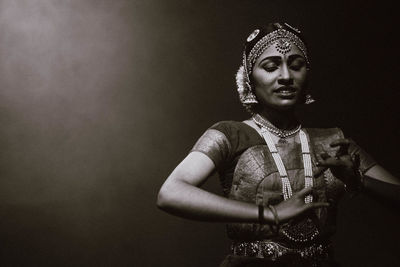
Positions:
{"x": 343, "y": 166}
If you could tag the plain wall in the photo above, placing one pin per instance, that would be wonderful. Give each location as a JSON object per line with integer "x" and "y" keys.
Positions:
{"x": 100, "y": 100}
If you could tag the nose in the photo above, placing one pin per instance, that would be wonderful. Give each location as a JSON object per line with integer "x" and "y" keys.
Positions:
{"x": 285, "y": 77}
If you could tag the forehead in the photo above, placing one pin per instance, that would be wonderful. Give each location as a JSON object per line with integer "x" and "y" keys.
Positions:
{"x": 273, "y": 51}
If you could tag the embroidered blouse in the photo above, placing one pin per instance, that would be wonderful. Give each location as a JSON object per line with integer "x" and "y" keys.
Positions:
{"x": 248, "y": 173}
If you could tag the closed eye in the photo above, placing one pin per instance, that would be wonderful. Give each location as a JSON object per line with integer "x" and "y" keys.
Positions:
{"x": 270, "y": 67}
{"x": 296, "y": 62}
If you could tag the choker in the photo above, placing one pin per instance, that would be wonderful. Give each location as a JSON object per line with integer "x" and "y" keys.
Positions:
{"x": 263, "y": 123}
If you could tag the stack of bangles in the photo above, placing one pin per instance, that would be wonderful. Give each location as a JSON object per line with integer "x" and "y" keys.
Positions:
{"x": 356, "y": 184}
{"x": 261, "y": 218}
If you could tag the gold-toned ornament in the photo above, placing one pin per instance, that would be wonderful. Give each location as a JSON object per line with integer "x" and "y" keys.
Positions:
{"x": 253, "y": 35}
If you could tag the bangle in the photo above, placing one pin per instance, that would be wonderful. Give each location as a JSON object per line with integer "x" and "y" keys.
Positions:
{"x": 261, "y": 218}
{"x": 276, "y": 218}
{"x": 358, "y": 183}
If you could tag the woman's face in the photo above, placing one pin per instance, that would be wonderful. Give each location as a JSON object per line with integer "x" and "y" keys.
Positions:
{"x": 279, "y": 79}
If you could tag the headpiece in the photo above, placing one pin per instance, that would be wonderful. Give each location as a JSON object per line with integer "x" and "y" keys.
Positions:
{"x": 283, "y": 36}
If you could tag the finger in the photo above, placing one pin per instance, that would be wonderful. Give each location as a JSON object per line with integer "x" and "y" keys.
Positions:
{"x": 316, "y": 205}
{"x": 330, "y": 162}
{"x": 305, "y": 191}
{"x": 341, "y": 141}
{"x": 343, "y": 145}
{"x": 320, "y": 171}
{"x": 324, "y": 155}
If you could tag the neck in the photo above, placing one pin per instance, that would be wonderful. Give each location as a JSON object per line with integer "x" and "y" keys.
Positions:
{"x": 282, "y": 119}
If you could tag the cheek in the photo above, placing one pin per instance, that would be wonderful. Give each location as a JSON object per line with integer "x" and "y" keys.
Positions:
{"x": 301, "y": 79}
{"x": 262, "y": 79}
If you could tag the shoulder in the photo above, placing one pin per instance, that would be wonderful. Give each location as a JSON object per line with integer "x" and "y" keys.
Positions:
{"x": 220, "y": 141}
{"x": 235, "y": 130}
{"x": 325, "y": 133}
{"x": 227, "y": 125}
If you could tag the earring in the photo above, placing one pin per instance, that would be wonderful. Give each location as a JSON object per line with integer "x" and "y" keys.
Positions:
{"x": 250, "y": 98}
{"x": 309, "y": 99}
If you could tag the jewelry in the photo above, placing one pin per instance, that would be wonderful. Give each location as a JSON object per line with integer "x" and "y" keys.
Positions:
{"x": 253, "y": 35}
{"x": 358, "y": 184}
{"x": 250, "y": 98}
{"x": 293, "y": 28}
{"x": 246, "y": 95}
{"x": 304, "y": 230}
{"x": 283, "y": 46}
{"x": 260, "y": 121}
{"x": 305, "y": 150}
{"x": 270, "y": 39}
{"x": 273, "y": 250}
{"x": 309, "y": 99}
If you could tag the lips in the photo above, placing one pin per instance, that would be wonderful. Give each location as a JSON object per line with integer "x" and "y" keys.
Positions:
{"x": 285, "y": 89}
{"x": 286, "y": 92}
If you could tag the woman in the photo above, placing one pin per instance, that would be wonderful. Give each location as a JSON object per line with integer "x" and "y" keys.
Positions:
{"x": 281, "y": 181}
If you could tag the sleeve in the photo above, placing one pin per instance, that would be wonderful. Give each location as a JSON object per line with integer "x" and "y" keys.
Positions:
{"x": 322, "y": 138}
{"x": 215, "y": 144}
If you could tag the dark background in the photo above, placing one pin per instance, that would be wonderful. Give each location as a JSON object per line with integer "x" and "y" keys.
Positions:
{"x": 100, "y": 100}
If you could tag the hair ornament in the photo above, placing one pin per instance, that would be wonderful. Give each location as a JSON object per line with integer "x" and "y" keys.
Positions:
{"x": 283, "y": 46}
{"x": 246, "y": 95}
{"x": 253, "y": 35}
{"x": 283, "y": 39}
{"x": 293, "y": 28}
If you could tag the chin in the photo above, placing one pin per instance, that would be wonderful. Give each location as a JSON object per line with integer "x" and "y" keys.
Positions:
{"x": 286, "y": 104}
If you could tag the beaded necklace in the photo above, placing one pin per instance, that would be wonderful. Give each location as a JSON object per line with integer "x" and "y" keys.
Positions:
{"x": 305, "y": 150}
{"x": 259, "y": 120}
{"x": 306, "y": 230}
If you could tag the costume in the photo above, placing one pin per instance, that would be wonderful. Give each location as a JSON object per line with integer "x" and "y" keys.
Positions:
{"x": 248, "y": 173}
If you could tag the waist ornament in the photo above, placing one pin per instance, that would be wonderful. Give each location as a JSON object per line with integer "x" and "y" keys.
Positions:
{"x": 271, "y": 250}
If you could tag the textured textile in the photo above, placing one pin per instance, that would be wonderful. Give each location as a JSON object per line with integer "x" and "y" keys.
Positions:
{"x": 248, "y": 173}
{"x": 239, "y": 261}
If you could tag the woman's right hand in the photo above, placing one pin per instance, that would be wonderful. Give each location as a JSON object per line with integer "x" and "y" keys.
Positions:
{"x": 296, "y": 206}
{"x": 180, "y": 195}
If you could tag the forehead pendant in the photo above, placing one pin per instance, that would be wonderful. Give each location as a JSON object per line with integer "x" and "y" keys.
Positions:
{"x": 283, "y": 45}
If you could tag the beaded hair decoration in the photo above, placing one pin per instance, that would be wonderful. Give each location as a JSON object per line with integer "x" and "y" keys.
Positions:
{"x": 283, "y": 40}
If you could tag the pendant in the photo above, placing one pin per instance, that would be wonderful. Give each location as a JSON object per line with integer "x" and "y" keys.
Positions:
{"x": 304, "y": 230}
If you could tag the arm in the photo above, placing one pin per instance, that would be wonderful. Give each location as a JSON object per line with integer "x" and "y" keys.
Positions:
{"x": 377, "y": 172}
{"x": 380, "y": 184}
{"x": 180, "y": 195}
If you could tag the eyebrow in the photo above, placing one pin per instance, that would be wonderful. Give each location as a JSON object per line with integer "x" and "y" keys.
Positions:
{"x": 275, "y": 58}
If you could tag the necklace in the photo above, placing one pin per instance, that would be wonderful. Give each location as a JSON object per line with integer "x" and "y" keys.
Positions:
{"x": 304, "y": 230}
{"x": 259, "y": 120}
